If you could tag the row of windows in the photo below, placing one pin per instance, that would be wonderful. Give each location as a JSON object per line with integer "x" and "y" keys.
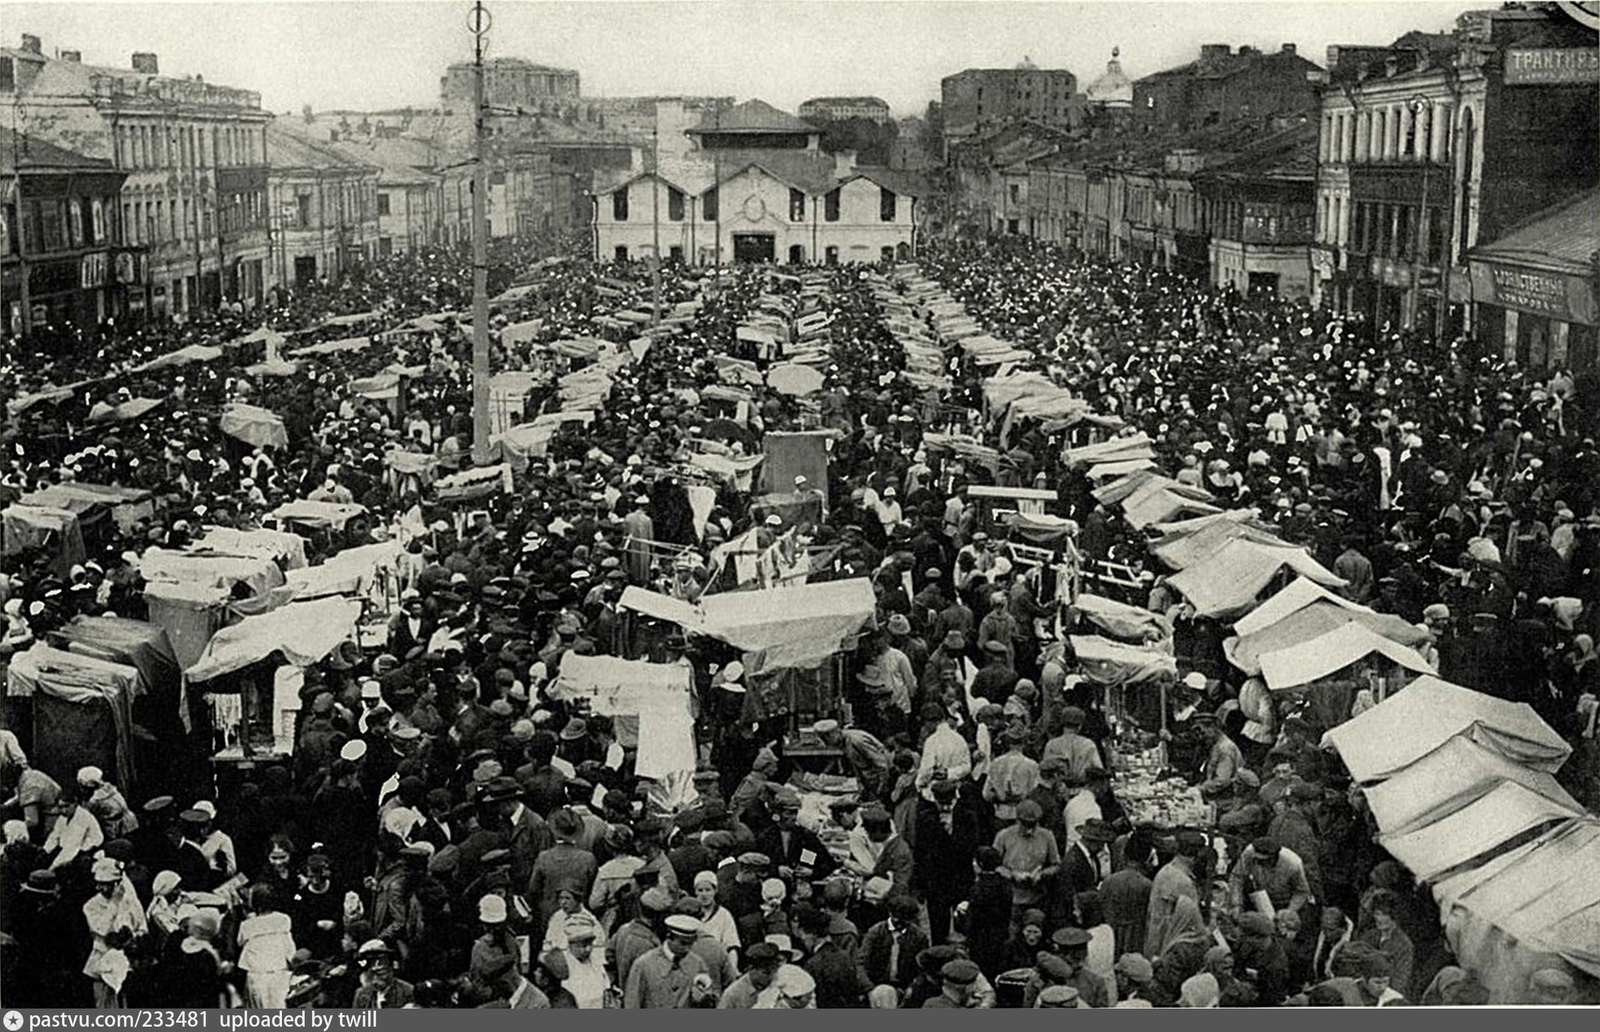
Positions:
{"x": 1393, "y": 230}
{"x": 1391, "y": 133}
{"x": 620, "y": 208}
{"x": 56, "y": 225}
{"x": 155, "y": 146}
{"x": 797, "y": 253}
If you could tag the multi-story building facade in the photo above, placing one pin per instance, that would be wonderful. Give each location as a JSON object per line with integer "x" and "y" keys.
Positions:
{"x": 980, "y": 99}
{"x": 750, "y": 185}
{"x": 62, "y": 257}
{"x": 1223, "y": 86}
{"x": 324, "y": 205}
{"x": 839, "y": 109}
{"x": 508, "y": 83}
{"x": 1437, "y": 144}
{"x": 194, "y": 154}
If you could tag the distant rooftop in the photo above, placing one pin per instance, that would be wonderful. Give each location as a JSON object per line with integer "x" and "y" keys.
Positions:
{"x": 753, "y": 116}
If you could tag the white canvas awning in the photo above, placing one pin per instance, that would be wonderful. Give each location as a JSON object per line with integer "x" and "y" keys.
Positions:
{"x": 1429, "y": 712}
{"x": 1328, "y": 653}
{"x": 1493, "y": 820}
{"x": 1229, "y": 580}
{"x": 304, "y": 632}
{"x": 1454, "y": 775}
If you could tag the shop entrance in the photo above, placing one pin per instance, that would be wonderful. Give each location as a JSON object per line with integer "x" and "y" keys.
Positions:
{"x": 753, "y": 247}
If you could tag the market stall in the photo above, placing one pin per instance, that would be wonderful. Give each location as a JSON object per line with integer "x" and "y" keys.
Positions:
{"x": 82, "y": 711}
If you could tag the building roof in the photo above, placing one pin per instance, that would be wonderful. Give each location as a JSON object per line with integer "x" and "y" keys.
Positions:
{"x": 753, "y": 116}
{"x": 1562, "y": 236}
{"x": 30, "y": 153}
{"x": 813, "y": 172}
{"x": 1221, "y": 66}
{"x": 516, "y": 62}
{"x": 290, "y": 148}
{"x": 848, "y": 102}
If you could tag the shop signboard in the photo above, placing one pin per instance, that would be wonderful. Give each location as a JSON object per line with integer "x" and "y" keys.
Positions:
{"x": 1551, "y": 294}
{"x": 1552, "y": 66}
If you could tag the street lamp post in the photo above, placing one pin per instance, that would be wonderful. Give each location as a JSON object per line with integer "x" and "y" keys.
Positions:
{"x": 1418, "y": 104}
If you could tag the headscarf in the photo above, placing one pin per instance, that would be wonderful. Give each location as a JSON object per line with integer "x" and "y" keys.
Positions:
{"x": 1186, "y": 926}
{"x": 1200, "y": 991}
{"x": 1447, "y": 979}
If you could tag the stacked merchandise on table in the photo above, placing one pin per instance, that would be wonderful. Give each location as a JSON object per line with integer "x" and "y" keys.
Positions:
{"x": 1151, "y": 794}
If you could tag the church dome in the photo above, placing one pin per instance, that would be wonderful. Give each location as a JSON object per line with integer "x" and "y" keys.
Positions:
{"x": 1113, "y": 89}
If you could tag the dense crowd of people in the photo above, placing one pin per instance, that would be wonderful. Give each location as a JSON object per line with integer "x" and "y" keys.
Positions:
{"x": 449, "y": 833}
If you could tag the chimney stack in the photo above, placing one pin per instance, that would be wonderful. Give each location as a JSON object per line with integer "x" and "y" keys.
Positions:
{"x": 145, "y": 63}
{"x": 1289, "y": 48}
{"x": 32, "y": 45}
{"x": 74, "y": 56}
{"x": 1212, "y": 51}
{"x": 844, "y": 163}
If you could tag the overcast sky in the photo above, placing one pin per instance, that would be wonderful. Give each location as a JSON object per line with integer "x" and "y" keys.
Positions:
{"x": 364, "y": 54}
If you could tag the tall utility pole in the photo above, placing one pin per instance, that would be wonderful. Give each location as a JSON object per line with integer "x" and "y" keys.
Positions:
{"x": 716, "y": 184}
{"x": 1417, "y": 105}
{"x": 655, "y": 221}
{"x": 480, "y": 247}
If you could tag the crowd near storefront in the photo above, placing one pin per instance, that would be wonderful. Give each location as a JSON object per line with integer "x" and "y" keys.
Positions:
{"x": 999, "y": 630}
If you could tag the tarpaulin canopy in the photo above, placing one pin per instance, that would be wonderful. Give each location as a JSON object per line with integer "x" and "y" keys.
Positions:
{"x": 1122, "y": 621}
{"x": 304, "y": 632}
{"x": 353, "y": 319}
{"x": 320, "y": 515}
{"x": 1429, "y": 712}
{"x": 1114, "y": 663}
{"x": 136, "y": 643}
{"x": 286, "y": 549}
{"x": 521, "y": 332}
{"x": 650, "y": 704}
{"x": 257, "y": 572}
{"x": 331, "y": 347}
{"x": 794, "y": 380}
{"x": 1457, "y": 773}
{"x": 1532, "y": 907}
{"x": 1229, "y": 580}
{"x": 1296, "y": 595}
{"x": 791, "y": 627}
{"x": 81, "y": 497}
{"x": 183, "y": 356}
{"x": 1311, "y": 660}
{"x": 1119, "y": 469}
{"x": 281, "y": 367}
{"x": 1121, "y": 489}
{"x": 260, "y": 333}
{"x": 254, "y": 426}
{"x": 351, "y": 572}
{"x": 121, "y": 413}
{"x": 1194, "y": 523}
{"x": 1494, "y": 819}
{"x": 1306, "y": 626}
{"x": 1157, "y": 503}
{"x": 1117, "y": 449}
{"x": 66, "y": 741}
{"x": 29, "y": 526}
{"x": 1178, "y": 549}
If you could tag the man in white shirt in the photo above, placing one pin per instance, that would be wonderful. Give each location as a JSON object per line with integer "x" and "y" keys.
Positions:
{"x": 946, "y": 751}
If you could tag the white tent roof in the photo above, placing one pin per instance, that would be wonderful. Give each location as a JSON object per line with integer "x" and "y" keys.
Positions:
{"x": 656, "y": 694}
{"x": 303, "y": 631}
{"x": 1231, "y": 578}
{"x": 1312, "y": 622}
{"x": 796, "y": 626}
{"x": 1301, "y": 592}
{"x": 1429, "y": 712}
{"x": 1202, "y": 537}
{"x": 1454, "y": 775}
{"x": 1542, "y": 894}
{"x": 1312, "y": 660}
{"x": 1473, "y": 830}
